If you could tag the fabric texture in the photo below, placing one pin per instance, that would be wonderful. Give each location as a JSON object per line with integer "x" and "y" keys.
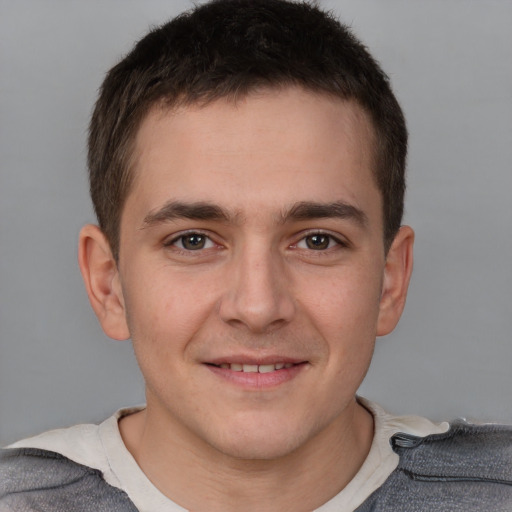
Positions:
{"x": 467, "y": 469}
{"x": 464, "y": 468}
{"x": 43, "y": 481}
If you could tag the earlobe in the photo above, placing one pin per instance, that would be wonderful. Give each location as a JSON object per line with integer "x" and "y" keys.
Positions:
{"x": 397, "y": 274}
{"x": 101, "y": 278}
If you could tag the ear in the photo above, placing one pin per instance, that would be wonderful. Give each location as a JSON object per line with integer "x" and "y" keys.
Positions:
{"x": 101, "y": 278}
{"x": 397, "y": 274}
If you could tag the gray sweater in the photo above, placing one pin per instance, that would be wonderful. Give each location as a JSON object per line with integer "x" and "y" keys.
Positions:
{"x": 467, "y": 469}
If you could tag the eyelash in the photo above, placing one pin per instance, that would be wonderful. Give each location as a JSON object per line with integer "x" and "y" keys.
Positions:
{"x": 182, "y": 236}
{"x": 332, "y": 242}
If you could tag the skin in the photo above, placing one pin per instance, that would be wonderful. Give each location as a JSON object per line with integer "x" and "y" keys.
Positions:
{"x": 270, "y": 279}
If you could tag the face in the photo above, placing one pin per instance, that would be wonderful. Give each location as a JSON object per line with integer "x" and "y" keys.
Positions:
{"x": 251, "y": 268}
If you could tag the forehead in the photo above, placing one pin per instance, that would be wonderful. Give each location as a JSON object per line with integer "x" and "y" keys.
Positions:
{"x": 275, "y": 147}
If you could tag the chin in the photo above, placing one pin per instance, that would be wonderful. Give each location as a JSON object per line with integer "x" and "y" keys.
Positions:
{"x": 259, "y": 441}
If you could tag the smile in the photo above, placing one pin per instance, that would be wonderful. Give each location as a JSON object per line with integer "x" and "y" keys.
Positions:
{"x": 252, "y": 376}
{"x": 254, "y": 368}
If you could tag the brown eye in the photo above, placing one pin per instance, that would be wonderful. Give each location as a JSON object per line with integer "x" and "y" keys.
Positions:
{"x": 193, "y": 242}
{"x": 318, "y": 242}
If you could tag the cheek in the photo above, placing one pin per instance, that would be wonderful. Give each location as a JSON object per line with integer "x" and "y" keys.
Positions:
{"x": 346, "y": 302}
{"x": 345, "y": 313}
{"x": 165, "y": 309}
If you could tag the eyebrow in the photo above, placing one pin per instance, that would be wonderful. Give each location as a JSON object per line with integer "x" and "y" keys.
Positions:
{"x": 304, "y": 210}
{"x": 308, "y": 210}
{"x": 181, "y": 210}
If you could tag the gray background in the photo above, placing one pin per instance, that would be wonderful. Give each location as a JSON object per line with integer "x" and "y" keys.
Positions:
{"x": 450, "y": 62}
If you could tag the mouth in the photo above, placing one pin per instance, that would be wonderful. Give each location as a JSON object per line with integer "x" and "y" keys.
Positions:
{"x": 257, "y": 375}
{"x": 254, "y": 368}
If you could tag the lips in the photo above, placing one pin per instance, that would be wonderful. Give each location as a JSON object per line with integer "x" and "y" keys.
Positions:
{"x": 254, "y": 368}
{"x": 250, "y": 373}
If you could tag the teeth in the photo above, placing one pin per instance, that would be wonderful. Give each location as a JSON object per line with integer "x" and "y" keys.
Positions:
{"x": 266, "y": 368}
{"x": 255, "y": 368}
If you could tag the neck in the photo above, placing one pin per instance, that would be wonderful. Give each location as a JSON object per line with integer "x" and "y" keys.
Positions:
{"x": 198, "y": 477}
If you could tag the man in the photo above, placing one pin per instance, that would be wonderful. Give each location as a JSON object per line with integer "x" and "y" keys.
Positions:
{"x": 247, "y": 169}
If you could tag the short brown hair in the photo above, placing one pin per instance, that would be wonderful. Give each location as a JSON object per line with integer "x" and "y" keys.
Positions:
{"x": 226, "y": 49}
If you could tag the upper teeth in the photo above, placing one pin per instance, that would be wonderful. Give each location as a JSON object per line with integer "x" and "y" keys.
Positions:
{"x": 255, "y": 368}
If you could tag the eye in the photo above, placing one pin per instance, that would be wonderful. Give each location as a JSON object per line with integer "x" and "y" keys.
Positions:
{"x": 318, "y": 242}
{"x": 192, "y": 242}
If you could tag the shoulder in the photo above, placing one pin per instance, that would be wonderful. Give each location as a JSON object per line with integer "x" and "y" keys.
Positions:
{"x": 466, "y": 469}
{"x": 465, "y": 451}
{"x": 64, "y": 469}
{"x": 85, "y": 444}
{"x": 80, "y": 443}
{"x": 35, "y": 479}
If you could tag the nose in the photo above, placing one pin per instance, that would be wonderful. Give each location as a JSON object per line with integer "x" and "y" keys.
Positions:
{"x": 258, "y": 294}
